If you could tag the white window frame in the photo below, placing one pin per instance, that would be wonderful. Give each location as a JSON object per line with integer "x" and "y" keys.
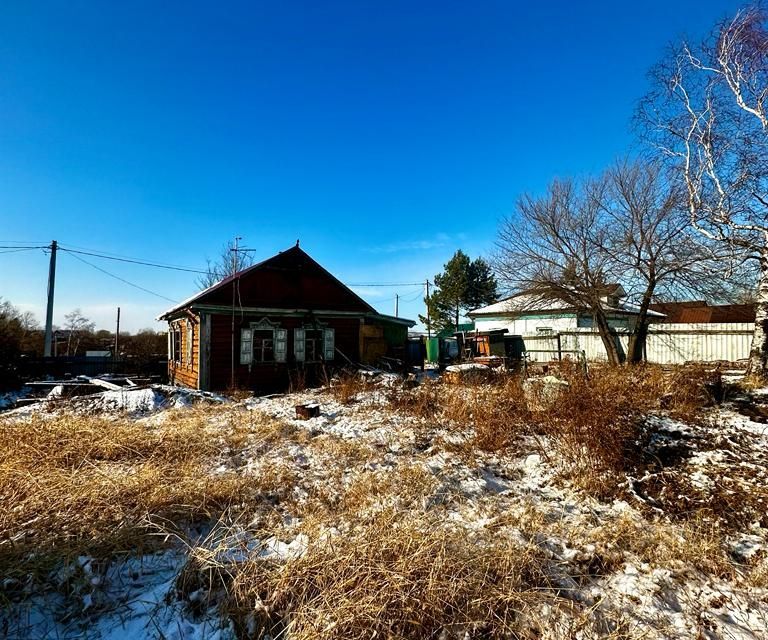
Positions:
{"x": 176, "y": 356}
{"x": 329, "y": 344}
{"x": 327, "y": 348}
{"x": 299, "y": 346}
{"x": 246, "y": 345}
{"x": 190, "y": 341}
{"x": 279, "y": 342}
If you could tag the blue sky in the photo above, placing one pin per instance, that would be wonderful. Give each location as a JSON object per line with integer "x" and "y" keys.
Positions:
{"x": 383, "y": 135}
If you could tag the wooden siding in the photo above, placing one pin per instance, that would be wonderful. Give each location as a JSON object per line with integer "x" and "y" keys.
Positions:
{"x": 181, "y": 371}
{"x": 272, "y": 376}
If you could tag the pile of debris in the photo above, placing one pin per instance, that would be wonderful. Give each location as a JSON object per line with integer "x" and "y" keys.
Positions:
{"x": 107, "y": 393}
{"x": 41, "y": 390}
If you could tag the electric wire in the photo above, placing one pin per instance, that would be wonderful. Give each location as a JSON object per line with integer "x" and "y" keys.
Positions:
{"x": 158, "y": 265}
{"x": 17, "y": 250}
{"x": 202, "y": 271}
{"x": 112, "y": 275}
{"x": 133, "y": 261}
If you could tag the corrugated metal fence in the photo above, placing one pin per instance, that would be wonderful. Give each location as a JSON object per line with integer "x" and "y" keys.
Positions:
{"x": 666, "y": 343}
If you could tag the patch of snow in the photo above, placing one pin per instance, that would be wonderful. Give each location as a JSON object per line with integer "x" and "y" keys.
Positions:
{"x": 9, "y": 399}
{"x": 467, "y": 366}
{"x": 135, "y": 598}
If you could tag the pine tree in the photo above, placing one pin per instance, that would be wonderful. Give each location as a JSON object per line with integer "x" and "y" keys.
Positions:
{"x": 463, "y": 285}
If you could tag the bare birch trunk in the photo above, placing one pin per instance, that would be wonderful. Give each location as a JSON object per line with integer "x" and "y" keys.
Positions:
{"x": 758, "y": 353}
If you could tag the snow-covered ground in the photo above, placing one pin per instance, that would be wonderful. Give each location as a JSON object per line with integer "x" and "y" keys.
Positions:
{"x": 630, "y": 564}
{"x": 131, "y": 400}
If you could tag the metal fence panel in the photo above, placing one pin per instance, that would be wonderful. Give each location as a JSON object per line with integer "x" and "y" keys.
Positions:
{"x": 666, "y": 343}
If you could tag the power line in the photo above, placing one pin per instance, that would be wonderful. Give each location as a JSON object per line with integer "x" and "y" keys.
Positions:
{"x": 112, "y": 254}
{"x": 112, "y": 275}
{"x": 192, "y": 270}
{"x": 416, "y": 297}
{"x": 170, "y": 267}
{"x": 17, "y": 249}
{"x": 133, "y": 261}
{"x": 384, "y": 284}
{"x": 24, "y": 241}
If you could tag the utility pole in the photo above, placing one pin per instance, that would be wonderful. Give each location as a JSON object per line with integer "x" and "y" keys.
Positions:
{"x": 49, "y": 309}
{"x": 429, "y": 330}
{"x": 397, "y": 304}
{"x": 234, "y": 282}
{"x": 117, "y": 336}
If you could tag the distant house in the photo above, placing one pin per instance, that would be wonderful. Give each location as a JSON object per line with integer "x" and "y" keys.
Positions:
{"x": 532, "y": 315}
{"x": 679, "y": 332}
{"x": 283, "y": 320}
{"x": 699, "y": 312}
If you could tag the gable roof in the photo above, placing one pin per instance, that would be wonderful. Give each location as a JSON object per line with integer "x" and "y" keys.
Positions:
{"x": 529, "y": 303}
{"x": 295, "y": 256}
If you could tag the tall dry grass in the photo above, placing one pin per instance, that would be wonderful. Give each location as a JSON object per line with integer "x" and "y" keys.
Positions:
{"x": 348, "y": 385}
{"x": 84, "y": 485}
{"x": 396, "y": 577}
{"x": 591, "y": 426}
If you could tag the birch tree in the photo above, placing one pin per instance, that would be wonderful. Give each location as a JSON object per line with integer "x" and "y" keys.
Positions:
{"x": 707, "y": 116}
{"x": 77, "y": 326}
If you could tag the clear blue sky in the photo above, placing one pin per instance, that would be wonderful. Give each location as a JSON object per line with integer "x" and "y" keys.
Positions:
{"x": 384, "y": 135}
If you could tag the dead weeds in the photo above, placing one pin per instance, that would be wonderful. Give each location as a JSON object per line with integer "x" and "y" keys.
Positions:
{"x": 395, "y": 577}
{"x": 99, "y": 486}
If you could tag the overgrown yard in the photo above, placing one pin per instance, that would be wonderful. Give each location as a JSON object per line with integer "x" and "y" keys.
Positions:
{"x": 626, "y": 505}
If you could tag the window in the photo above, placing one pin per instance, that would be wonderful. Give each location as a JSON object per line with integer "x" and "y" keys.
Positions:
{"x": 544, "y": 331}
{"x": 329, "y": 344}
{"x": 175, "y": 343}
{"x": 313, "y": 344}
{"x": 263, "y": 342}
{"x": 263, "y": 345}
{"x": 190, "y": 341}
{"x": 246, "y": 349}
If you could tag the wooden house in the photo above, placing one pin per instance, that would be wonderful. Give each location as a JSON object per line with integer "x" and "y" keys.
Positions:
{"x": 284, "y": 320}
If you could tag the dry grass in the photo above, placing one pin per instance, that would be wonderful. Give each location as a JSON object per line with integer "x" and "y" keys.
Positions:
{"x": 424, "y": 401}
{"x": 346, "y": 387}
{"x": 74, "y": 485}
{"x": 395, "y": 577}
{"x": 698, "y": 543}
{"x": 384, "y": 557}
{"x": 597, "y": 422}
{"x": 591, "y": 426}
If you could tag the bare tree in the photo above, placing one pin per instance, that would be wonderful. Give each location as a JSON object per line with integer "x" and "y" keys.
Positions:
{"x": 77, "y": 326}
{"x": 654, "y": 250}
{"x": 628, "y": 227}
{"x": 230, "y": 261}
{"x": 551, "y": 250}
{"x": 707, "y": 115}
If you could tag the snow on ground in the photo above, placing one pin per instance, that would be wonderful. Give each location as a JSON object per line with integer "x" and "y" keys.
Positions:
{"x": 130, "y": 400}
{"x": 518, "y": 494}
{"x": 132, "y": 598}
{"x": 8, "y": 399}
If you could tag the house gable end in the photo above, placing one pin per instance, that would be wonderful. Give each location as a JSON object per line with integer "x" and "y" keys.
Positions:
{"x": 290, "y": 279}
